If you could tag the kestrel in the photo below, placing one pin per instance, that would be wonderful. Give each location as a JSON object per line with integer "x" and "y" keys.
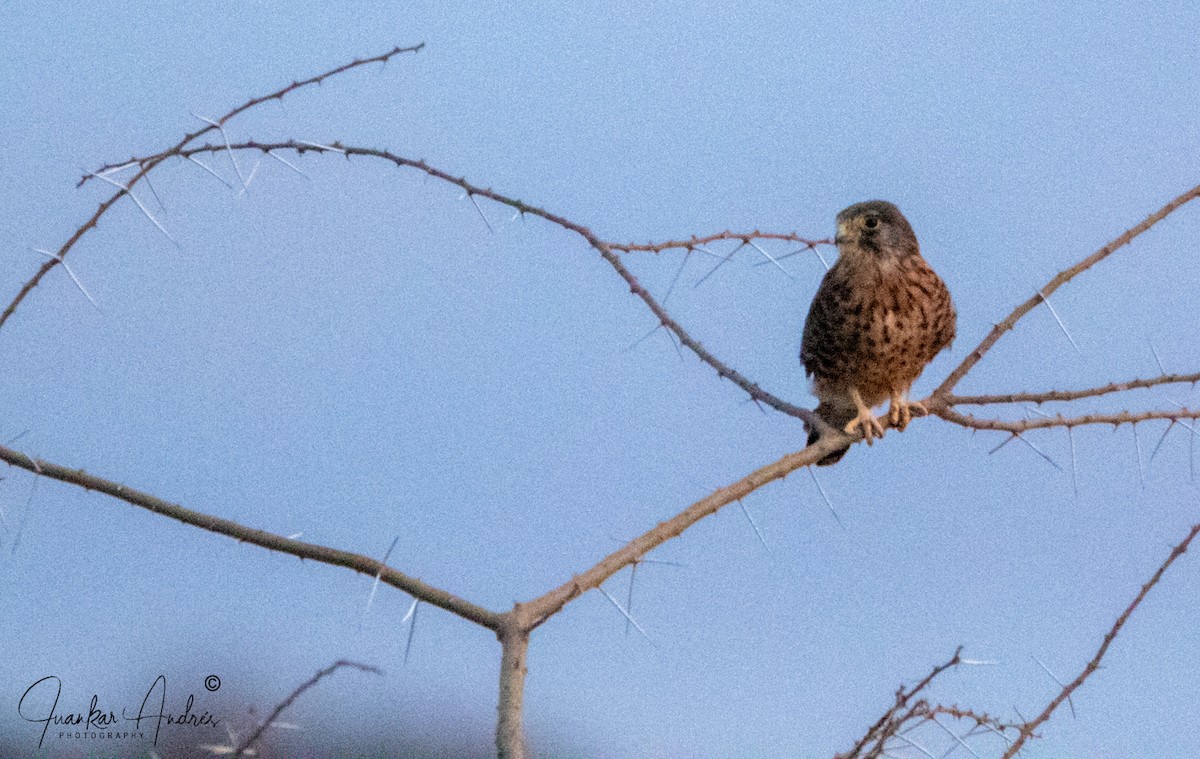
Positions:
{"x": 880, "y": 315}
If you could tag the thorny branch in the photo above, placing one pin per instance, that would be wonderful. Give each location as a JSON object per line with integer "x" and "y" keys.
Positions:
{"x": 1039, "y": 423}
{"x": 148, "y": 164}
{"x": 1027, "y": 729}
{"x": 906, "y": 713}
{"x": 607, "y": 250}
{"x": 1048, "y": 396}
{"x": 357, "y": 562}
{"x": 513, "y": 627}
{"x": 911, "y": 710}
{"x": 245, "y": 746}
{"x": 695, "y": 242}
{"x": 1060, "y": 279}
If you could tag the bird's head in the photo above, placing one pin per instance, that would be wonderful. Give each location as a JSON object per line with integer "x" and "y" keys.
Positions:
{"x": 875, "y": 228}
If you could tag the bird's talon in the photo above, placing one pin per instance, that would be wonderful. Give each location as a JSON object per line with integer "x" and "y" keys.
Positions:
{"x": 901, "y": 412}
{"x": 871, "y": 428}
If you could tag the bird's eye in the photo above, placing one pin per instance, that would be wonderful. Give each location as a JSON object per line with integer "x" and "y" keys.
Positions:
{"x": 871, "y": 222}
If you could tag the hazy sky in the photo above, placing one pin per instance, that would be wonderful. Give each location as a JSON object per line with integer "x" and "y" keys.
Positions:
{"x": 355, "y": 357}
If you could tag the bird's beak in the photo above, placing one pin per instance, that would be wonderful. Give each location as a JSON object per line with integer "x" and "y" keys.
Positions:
{"x": 841, "y": 237}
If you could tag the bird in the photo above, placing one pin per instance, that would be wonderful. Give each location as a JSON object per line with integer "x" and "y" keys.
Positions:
{"x": 879, "y": 317}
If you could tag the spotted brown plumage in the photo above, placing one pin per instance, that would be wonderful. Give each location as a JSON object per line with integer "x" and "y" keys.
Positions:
{"x": 880, "y": 315}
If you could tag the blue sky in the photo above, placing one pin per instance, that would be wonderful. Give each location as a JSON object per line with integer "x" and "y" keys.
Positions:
{"x": 355, "y": 357}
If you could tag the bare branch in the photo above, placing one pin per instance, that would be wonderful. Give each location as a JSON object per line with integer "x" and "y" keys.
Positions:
{"x": 254, "y": 737}
{"x": 695, "y": 242}
{"x": 1060, "y": 279}
{"x": 886, "y": 726}
{"x": 1047, "y": 396}
{"x": 147, "y": 164}
{"x": 357, "y": 562}
{"x": 1017, "y": 426}
{"x": 278, "y": 94}
{"x": 549, "y": 604}
{"x": 606, "y": 250}
{"x": 1027, "y": 729}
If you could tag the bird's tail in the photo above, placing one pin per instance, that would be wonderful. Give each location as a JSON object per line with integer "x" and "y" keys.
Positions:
{"x": 837, "y": 416}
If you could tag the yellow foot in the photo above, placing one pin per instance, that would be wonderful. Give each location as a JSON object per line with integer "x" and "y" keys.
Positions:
{"x": 900, "y": 413}
{"x": 871, "y": 428}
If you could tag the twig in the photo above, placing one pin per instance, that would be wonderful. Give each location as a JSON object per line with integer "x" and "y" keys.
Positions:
{"x": 247, "y": 744}
{"x": 1070, "y": 395}
{"x": 1024, "y": 425}
{"x": 695, "y": 242}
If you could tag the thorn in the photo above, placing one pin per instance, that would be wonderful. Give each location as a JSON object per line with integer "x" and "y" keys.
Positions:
{"x": 1157, "y": 360}
{"x": 706, "y": 251}
{"x": 915, "y": 745}
{"x": 754, "y": 524}
{"x": 675, "y": 279}
{"x": 1038, "y": 450}
{"x": 1137, "y": 445}
{"x": 1060, "y": 684}
{"x": 250, "y": 177}
{"x": 1074, "y": 463}
{"x": 1003, "y": 737}
{"x": 1061, "y": 326}
{"x": 412, "y": 629}
{"x": 1035, "y": 410}
{"x": 486, "y": 223}
{"x": 675, "y": 345}
{"x": 624, "y": 613}
{"x": 228, "y": 147}
{"x": 629, "y": 598}
{"x": 319, "y": 146}
{"x": 643, "y": 338}
{"x": 768, "y": 256}
{"x": 1020, "y": 716}
{"x": 154, "y": 192}
{"x": 1192, "y": 456}
{"x": 784, "y": 257}
{"x": 412, "y": 610}
{"x": 660, "y": 561}
{"x": 74, "y": 279}
{"x": 140, "y": 205}
{"x": 378, "y": 577}
{"x": 820, "y": 257}
{"x": 721, "y": 263}
{"x": 1007, "y": 440}
{"x": 1161, "y": 440}
{"x": 220, "y": 179}
{"x": 955, "y": 737}
{"x": 828, "y": 503}
{"x": 287, "y": 163}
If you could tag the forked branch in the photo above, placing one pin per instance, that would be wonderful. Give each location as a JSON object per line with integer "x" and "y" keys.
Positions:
{"x": 1056, "y": 282}
{"x": 357, "y": 562}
